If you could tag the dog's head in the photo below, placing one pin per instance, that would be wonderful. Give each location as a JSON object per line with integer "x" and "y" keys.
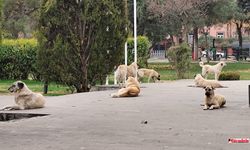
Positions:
{"x": 156, "y": 75}
{"x": 222, "y": 64}
{"x": 16, "y": 86}
{"x": 198, "y": 77}
{"x": 209, "y": 90}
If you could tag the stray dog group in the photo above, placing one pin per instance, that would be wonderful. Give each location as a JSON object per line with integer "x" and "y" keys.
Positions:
{"x": 212, "y": 100}
{"x": 24, "y": 97}
{"x": 215, "y": 69}
{"x": 123, "y": 71}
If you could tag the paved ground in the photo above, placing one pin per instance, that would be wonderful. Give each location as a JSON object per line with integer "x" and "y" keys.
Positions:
{"x": 94, "y": 121}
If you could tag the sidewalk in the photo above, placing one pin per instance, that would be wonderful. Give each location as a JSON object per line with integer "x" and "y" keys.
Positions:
{"x": 94, "y": 121}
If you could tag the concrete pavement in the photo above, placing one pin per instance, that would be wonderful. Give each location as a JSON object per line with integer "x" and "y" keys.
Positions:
{"x": 94, "y": 121}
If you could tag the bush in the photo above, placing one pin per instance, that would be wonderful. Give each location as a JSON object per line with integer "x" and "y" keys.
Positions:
{"x": 229, "y": 76}
{"x": 18, "y": 59}
{"x": 142, "y": 50}
{"x": 179, "y": 57}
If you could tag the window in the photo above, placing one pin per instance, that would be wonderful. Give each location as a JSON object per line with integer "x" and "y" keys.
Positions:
{"x": 220, "y": 35}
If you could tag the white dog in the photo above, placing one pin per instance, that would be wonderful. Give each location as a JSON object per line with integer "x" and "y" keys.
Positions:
{"x": 123, "y": 72}
{"x": 216, "y": 69}
{"x": 201, "y": 82}
{"x": 24, "y": 97}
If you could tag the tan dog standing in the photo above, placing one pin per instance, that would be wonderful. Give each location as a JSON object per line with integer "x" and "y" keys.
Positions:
{"x": 132, "y": 88}
{"x": 150, "y": 73}
{"x": 24, "y": 97}
{"x": 213, "y": 101}
{"x": 123, "y": 72}
{"x": 201, "y": 82}
{"x": 215, "y": 69}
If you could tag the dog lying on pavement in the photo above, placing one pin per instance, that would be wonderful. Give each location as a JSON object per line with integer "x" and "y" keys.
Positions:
{"x": 24, "y": 97}
{"x": 131, "y": 89}
{"x": 212, "y": 100}
{"x": 201, "y": 82}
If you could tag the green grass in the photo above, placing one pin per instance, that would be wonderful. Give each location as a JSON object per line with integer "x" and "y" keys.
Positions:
{"x": 36, "y": 86}
{"x": 165, "y": 69}
{"x": 168, "y": 73}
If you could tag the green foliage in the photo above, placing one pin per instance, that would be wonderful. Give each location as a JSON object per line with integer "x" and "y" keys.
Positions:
{"x": 18, "y": 61}
{"x": 179, "y": 56}
{"x": 20, "y": 16}
{"x": 229, "y": 76}
{"x": 142, "y": 50}
{"x": 1, "y": 19}
{"x": 80, "y": 41}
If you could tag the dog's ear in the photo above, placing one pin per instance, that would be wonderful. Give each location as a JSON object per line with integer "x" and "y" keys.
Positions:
{"x": 20, "y": 85}
{"x": 213, "y": 88}
{"x": 195, "y": 75}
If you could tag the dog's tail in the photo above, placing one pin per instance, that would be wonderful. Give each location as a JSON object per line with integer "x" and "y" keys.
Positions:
{"x": 201, "y": 63}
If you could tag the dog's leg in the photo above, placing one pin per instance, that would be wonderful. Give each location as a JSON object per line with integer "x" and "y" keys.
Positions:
{"x": 205, "y": 107}
{"x": 13, "y": 108}
{"x": 214, "y": 107}
{"x": 121, "y": 93}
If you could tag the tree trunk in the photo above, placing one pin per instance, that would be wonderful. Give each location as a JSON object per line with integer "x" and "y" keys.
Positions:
{"x": 195, "y": 44}
{"x": 238, "y": 28}
{"x": 45, "y": 87}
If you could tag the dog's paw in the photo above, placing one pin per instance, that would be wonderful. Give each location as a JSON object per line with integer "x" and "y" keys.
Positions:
{"x": 211, "y": 108}
{"x": 114, "y": 95}
{"x": 205, "y": 107}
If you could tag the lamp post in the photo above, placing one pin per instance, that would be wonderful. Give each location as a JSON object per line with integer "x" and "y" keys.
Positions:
{"x": 135, "y": 37}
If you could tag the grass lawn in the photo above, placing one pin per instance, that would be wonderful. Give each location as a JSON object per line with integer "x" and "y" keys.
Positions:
{"x": 165, "y": 70}
{"x": 36, "y": 86}
{"x": 167, "y": 73}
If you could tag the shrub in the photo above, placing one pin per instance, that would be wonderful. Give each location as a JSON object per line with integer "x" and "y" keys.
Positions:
{"x": 179, "y": 57}
{"x": 229, "y": 76}
{"x": 18, "y": 59}
{"x": 142, "y": 50}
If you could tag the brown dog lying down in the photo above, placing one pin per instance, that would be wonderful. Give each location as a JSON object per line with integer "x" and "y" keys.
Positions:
{"x": 213, "y": 101}
{"x": 149, "y": 73}
{"x": 24, "y": 97}
{"x": 131, "y": 89}
{"x": 201, "y": 82}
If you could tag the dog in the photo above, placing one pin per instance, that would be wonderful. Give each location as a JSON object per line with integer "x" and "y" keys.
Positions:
{"x": 131, "y": 89}
{"x": 215, "y": 69}
{"x": 150, "y": 73}
{"x": 201, "y": 82}
{"x": 213, "y": 101}
{"x": 123, "y": 72}
{"x": 24, "y": 97}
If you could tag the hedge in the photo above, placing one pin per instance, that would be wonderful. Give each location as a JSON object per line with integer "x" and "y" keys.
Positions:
{"x": 229, "y": 76}
{"x": 142, "y": 50}
{"x": 18, "y": 59}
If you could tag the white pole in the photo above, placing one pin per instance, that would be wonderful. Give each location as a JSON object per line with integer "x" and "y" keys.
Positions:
{"x": 135, "y": 37}
{"x": 126, "y": 58}
{"x": 135, "y": 33}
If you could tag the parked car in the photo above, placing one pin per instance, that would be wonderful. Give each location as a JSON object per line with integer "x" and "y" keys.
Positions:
{"x": 210, "y": 54}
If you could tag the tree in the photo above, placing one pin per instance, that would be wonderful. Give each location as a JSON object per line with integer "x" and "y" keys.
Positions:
{"x": 240, "y": 17}
{"x": 20, "y": 16}
{"x": 1, "y": 19}
{"x": 80, "y": 40}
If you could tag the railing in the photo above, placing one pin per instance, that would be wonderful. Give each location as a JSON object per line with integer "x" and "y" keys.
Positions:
{"x": 158, "y": 54}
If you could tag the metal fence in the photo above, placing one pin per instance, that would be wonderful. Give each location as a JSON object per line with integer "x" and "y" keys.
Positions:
{"x": 158, "y": 54}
